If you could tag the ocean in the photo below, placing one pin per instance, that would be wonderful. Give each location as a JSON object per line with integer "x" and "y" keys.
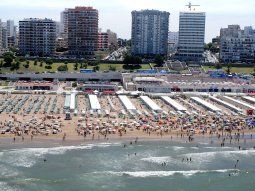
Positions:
{"x": 145, "y": 166}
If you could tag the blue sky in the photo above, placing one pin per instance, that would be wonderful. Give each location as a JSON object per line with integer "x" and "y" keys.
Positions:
{"x": 116, "y": 14}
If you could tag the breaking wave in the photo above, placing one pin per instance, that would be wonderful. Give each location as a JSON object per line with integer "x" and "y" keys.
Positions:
{"x": 143, "y": 174}
{"x": 27, "y": 157}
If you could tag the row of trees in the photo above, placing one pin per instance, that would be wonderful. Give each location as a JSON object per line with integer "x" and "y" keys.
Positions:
{"x": 134, "y": 62}
{"x": 13, "y": 62}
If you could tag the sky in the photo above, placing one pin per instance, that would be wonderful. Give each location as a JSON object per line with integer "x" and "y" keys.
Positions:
{"x": 116, "y": 14}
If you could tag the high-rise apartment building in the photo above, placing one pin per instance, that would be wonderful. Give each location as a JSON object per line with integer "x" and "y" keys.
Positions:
{"x": 37, "y": 37}
{"x": 191, "y": 36}
{"x": 172, "y": 41}
{"x": 10, "y": 28}
{"x": 237, "y": 44}
{"x": 82, "y": 31}
{"x": 1, "y": 42}
{"x": 113, "y": 40}
{"x": 149, "y": 32}
{"x": 64, "y": 22}
{"x": 11, "y": 34}
{"x": 4, "y": 37}
{"x": 103, "y": 41}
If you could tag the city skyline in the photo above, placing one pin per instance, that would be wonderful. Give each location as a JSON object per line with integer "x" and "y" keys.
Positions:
{"x": 219, "y": 15}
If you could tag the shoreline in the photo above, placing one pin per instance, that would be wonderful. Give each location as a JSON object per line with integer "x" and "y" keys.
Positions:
{"x": 51, "y": 141}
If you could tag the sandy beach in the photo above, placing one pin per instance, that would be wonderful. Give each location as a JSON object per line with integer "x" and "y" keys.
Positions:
{"x": 30, "y": 118}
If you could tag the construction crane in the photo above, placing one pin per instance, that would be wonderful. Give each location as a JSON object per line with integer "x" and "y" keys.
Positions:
{"x": 190, "y": 6}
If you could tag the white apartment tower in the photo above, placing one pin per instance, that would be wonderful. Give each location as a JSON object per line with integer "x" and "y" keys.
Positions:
{"x": 1, "y": 42}
{"x": 191, "y": 35}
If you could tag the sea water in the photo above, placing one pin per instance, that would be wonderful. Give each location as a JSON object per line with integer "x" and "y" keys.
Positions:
{"x": 145, "y": 166}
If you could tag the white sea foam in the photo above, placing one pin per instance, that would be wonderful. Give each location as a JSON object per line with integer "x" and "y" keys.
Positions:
{"x": 157, "y": 160}
{"x": 4, "y": 187}
{"x": 28, "y": 157}
{"x": 222, "y": 153}
{"x": 143, "y": 174}
{"x": 223, "y": 148}
{"x": 6, "y": 172}
{"x": 177, "y": 148}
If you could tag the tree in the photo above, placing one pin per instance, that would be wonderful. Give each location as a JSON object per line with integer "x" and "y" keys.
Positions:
{"x": 228, "y": 68}
{"x": 26, "y": 65}
{"x": 112, "y": 68}
{"x": 132, "y": 62}
{"x": 48, "y": 67}
{"x": 74, "y": 85}
{"x": 66, "y": 62}
{"x": 93, "y": 63}
{"x": 49, "y": 62}
{"x": 8, "y": 59}
{"x": 41, "y": 64}
{"x": 35, "y": 63}
{"x": 96, "y": 68}
{"x": 62, "y": 68}
{"x": 1, "y": 63}
{"x": 159, "y": 60}
{"x": 76, "y": 66}
{"x": 85, "y": 65}
{"x": 218, "y": 66}
{"x": 15, "y": 66}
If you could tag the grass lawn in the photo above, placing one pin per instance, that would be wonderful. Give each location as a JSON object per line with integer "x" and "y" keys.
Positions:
{"x": 245, "y": 70}
{"x": 40, "y": 69}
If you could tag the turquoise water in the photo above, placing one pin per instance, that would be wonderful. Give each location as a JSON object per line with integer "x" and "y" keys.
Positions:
{"x": 110, "y": 167}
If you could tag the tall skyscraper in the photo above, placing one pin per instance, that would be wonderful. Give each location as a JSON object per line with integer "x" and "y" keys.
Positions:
{"x": 4, "y": 37}
{"x": 1, "y": 42}
{"x": 37, "y": 37}
{"x": 82, "y": 31}
{"x": 149, "y": 32}
{"x": 11, "y": 33}
{"x": 191, "y": 36}
{"x": 64, "y": 23}
{"x": 113, "y": 40}
{"x": 10, "y": 28}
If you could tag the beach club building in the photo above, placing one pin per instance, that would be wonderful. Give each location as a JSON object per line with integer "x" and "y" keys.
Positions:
{"x": 36, "y": 86}
{"x": 108, "y": 88}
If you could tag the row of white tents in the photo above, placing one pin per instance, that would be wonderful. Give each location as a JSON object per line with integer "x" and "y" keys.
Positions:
{"x": 70, "y": 104}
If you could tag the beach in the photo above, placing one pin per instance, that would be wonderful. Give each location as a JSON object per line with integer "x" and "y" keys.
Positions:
{"x": 124, "y": 144}
{"x": 30, "y": 117}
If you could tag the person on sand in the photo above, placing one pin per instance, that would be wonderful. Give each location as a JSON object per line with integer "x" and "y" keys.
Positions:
{"x": 64, "y": 137}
